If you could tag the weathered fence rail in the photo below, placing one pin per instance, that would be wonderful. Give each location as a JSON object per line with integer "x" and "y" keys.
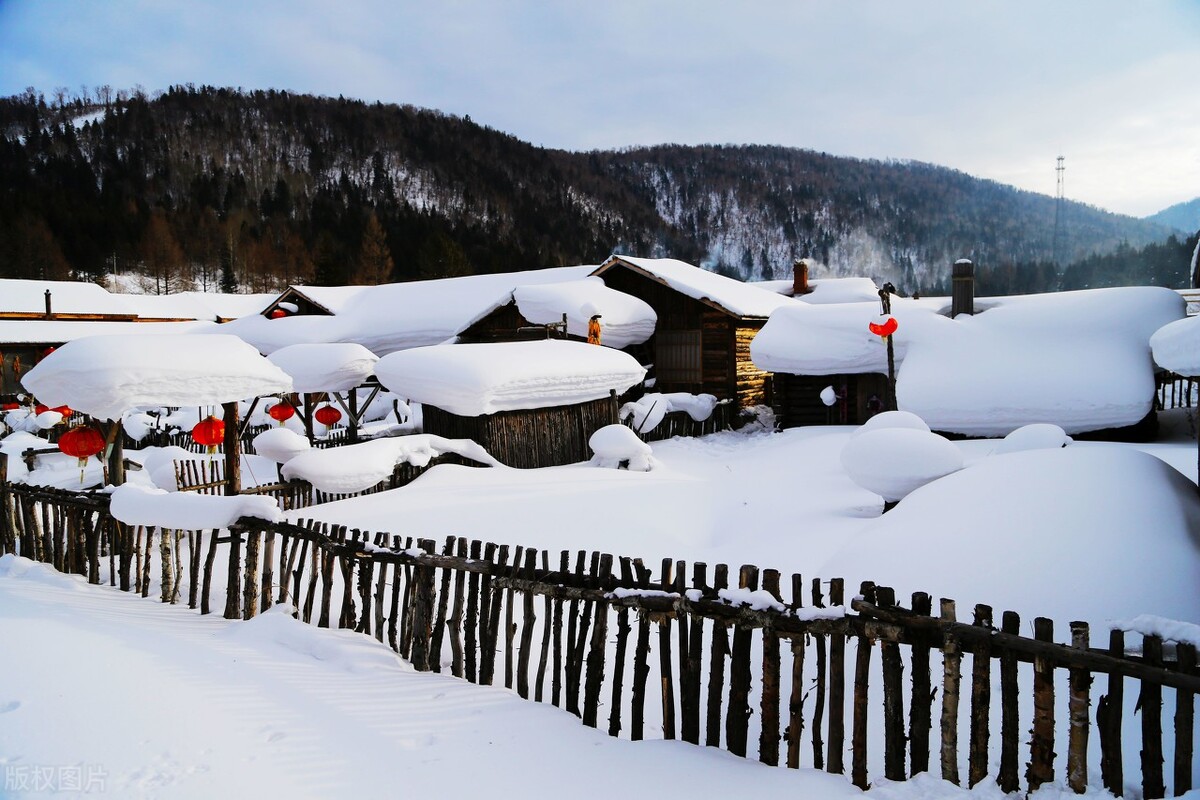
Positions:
{"x": 587, "y": 632}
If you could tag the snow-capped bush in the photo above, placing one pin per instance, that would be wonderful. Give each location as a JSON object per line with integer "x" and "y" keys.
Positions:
{"x": 1038, "y": 436}
{"x": 280, "y": 444}
{"x": 892, "y": 419}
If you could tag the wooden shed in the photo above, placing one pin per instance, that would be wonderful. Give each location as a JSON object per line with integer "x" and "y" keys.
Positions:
{"x": 529, "y": 404}
{"x": 705, "y": 325}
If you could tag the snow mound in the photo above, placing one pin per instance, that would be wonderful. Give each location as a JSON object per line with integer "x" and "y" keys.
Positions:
{"x": 891, "y": 462}
{"x": 333, "y": 367}
{"x": 892, "y": 419}
{"x": 104, "y": 376}
{"x": 357, "y": 467}
{"x": 16, "y": 567}
{"x": 613, "y": 444}
{"x": 475, "y": 379}
{"x": 280, "y": 444}
{"x": 136, "y": 505}
{"x": 1038, "y": 436}
{"x": 1043, "y": 532}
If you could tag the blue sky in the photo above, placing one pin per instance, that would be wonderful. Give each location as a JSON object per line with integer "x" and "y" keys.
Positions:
{"x": 996, "y": 88}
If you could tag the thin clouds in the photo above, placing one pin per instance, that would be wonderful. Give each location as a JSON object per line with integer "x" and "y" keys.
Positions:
{"x": 997, "y": 89}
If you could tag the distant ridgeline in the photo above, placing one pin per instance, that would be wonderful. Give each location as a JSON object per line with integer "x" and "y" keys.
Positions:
{"x": 261, "y": 189}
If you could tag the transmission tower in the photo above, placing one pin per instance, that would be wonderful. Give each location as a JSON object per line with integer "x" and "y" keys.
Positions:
{"x": 1058, "y": 212}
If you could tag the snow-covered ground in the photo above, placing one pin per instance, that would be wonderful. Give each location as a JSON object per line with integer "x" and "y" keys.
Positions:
{"x": 156, "y": 701}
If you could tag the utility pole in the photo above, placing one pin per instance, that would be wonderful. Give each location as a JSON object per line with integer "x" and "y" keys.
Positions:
{"x": 1059, "y": 214}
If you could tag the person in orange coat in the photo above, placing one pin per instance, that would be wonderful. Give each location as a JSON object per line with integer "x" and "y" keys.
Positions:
{"x": 594, "y": 329}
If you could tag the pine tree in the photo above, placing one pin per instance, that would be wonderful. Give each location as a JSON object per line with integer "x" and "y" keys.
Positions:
{"x": 374, "y": 258}
{"x": 229, "y": 284}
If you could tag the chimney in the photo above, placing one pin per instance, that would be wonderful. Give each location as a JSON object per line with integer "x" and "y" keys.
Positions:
{"x": 49, "y": 313}
{"x": 962, "y": 294}
{"x": 800, "y": 277}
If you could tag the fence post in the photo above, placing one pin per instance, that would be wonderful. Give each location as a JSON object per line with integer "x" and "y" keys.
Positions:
{"x": 981, "y": 699}
{"x": 893, "y": 696}
{"x": 1041, "y": 747}
{"x": 920, "y": 716}
{"x": 1108, "y": 719}
{"x": 1184, "y": 719}
{"x": 1079, "y": 682}
{"x": 862, "y": 671}
{"x": 951, "y": 675}
{"x": 1152, "y": 753}
{"x": 1009, "y": 722}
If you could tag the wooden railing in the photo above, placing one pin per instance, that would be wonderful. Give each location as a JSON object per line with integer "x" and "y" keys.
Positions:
{"x": 734, "y": 655}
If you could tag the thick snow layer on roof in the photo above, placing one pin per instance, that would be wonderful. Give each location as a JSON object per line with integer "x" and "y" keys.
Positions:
{"x": 624, "y": 320}
{"x": 395, "y": 316}
{"x": 325, "y": 367}
{"x": 742, "y": 299}
{"x": 828, "y": 290}
{"x": 1176, "y": 346}
{"x": 138, "y": 505}
{"x": 1034, "y": 517}
{"x": 833, "y": 339}
{"x": 357, "y": 467}
{"x": 66, "y": 297}
{"x": 168, "y": 306}
{"x": 1079, "y": 360}
{"x": 475, "y": 379}
{"x": 59, "y": 331}
{"x": 104, "y": 376}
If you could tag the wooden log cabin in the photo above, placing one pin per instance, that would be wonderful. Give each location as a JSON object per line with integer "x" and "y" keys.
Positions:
{"x": 705, "y": 325}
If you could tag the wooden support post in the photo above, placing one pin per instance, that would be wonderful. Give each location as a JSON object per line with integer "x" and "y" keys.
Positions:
{"x": 981, "y": 700}
{"x": 250, "y": 592}
{"x": 1108, "y": 720}
{"x": 233, "y": 586}
{"x": 233, "y": 449}
{"x": 1184, "y": 721}
{"x": 1152, "y": 750}
{"x": 737, "y": 716}
{"x": 920, "y": 714}
{"x": 1008, "y": 778}
{"x": 1041, "y": 747}
{"x": 893, "y": 698}
{"x": 951, "y": 676}
{"x": 716, "y": 666}
{"x": 1079, "y": 685}
{"x": 768, "y": 739}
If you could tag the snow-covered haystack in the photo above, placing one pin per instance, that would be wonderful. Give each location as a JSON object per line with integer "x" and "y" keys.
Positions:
{"x": 625, "y": 319}
{"x": 648, "y": 411}
{"x": 1038, "y": 436}
{"x": 475, "y": 379}
{"x": 1176, "y": 346}
{"x": 280, "y": 445}
{"x": 334, "y": 367}
{"x": 893, "y": 461}
{"x": 104, "y": 376}
{"x": 1080, "y": 360}
{"x": 138, "y": 505}
{"x": 614, "y": 444}
{"x": 357, "y": 467}
{"x": 1043, "y": 532}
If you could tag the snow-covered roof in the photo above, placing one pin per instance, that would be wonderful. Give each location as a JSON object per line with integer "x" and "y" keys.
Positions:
{"x": 168, "y": 306}
{"x": 66, "y": 297}
{"x": 105, "y": 376}
{"x": 624, "y": 319}
{"x": 59, "y": 331}
{"x": 332, "y": 367}
{"x": 395, "y": 316}
{"x": 1080, "y": 360}
{"x": 475, "y": 379}
{"x": 735, "y": 297}
{"x": 828, "y": 290}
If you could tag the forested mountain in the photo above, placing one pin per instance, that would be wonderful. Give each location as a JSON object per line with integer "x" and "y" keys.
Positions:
{"x": 265, "y": 188}
{"x": 1184, "y": 216}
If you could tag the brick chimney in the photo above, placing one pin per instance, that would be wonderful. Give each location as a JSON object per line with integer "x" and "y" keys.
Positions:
{"x": 800, "y": 277}
{"x": 962, "y": 293}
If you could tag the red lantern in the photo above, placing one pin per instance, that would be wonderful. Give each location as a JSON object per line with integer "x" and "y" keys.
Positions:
{"x": 64, "y": 410}
{"x": 40, "y": 409}
{"x": 48, "y": 351}
{"x": 278, "y": 313}
{"x": 209, "y": 432}
{"x": 83, "y": 442}
{"x": 888, "y": 327}
{"x": 281, "y": 412}
{"x": 328, "y": 416}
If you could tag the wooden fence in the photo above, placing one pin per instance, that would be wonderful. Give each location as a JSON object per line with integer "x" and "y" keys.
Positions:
{"x": 1175, "y": 391}
{"x": 587, "y": 632}
{"x": 680, "y": 423}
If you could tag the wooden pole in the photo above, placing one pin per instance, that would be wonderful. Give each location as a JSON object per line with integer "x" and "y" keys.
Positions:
{"x": 1079, "y": 683}
{"x": 233, "y": 449}
{"x": 951, "y": 675}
